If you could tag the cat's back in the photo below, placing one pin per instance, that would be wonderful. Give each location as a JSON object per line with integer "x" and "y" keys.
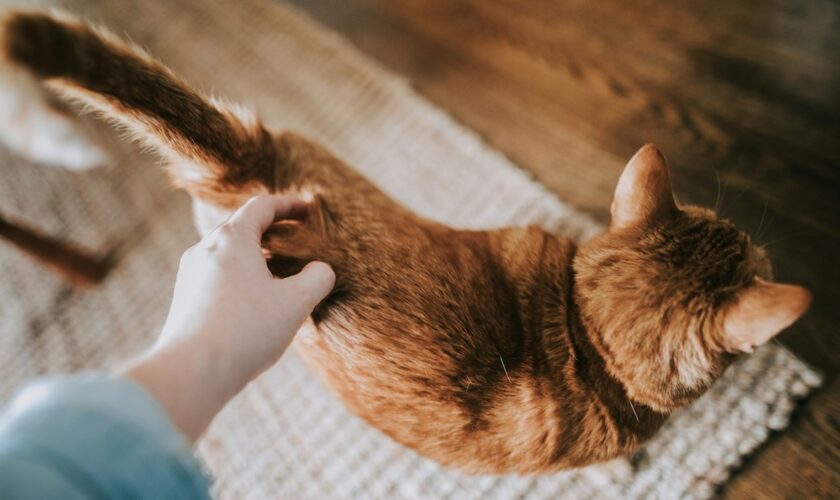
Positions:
{"x": 455, "y": 346}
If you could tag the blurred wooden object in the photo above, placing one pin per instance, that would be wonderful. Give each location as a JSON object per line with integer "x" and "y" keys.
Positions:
{"x": 78, "y": 268}
{"x": 743, "y": 97}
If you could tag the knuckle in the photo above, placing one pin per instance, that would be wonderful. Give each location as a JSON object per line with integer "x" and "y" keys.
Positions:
{"x": 227, "y": 229}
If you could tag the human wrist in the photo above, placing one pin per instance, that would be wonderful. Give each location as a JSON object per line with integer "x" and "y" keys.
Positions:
{"x": 237, "y": 352}
{"x": 215, "y": 358}
{"x": 191, "y": 378}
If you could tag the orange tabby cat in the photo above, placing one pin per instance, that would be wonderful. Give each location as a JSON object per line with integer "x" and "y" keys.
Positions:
{"x": 493, "y": 351}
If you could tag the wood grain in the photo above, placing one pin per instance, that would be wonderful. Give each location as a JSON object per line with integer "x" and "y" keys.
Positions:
{"x": 743, "y": 97}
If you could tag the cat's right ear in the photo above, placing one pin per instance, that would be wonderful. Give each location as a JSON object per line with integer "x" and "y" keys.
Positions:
{"x": 761, "y": 312}
{"x": 644, "y": 193}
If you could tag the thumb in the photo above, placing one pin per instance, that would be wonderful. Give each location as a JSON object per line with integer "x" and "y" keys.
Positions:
{"x": 304, "y": 290}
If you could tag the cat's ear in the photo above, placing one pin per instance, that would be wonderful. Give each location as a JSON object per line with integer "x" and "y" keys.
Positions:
{"x": 643, "y": 193}
{"x": 760, "y": 312}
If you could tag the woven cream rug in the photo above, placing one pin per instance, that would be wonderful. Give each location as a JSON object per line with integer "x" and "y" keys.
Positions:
{"x": 285, "y": 436}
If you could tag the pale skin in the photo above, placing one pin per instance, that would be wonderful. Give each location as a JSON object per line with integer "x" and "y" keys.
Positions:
{"x": 230, "y": 319}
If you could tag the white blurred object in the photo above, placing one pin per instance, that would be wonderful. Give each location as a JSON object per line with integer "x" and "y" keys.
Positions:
{"x": 35, "y": 129}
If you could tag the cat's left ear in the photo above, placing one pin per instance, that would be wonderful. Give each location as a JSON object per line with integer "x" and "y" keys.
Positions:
{"x": 644, "y": 193}
{"x": 761, "y": 312}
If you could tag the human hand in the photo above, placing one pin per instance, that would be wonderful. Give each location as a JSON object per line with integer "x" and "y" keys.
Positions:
{"x": 225, "y": 294}
{"x": 230, "y": 319}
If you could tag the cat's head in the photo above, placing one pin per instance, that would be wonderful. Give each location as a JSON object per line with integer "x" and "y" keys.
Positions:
{"x": 670, "y": 293}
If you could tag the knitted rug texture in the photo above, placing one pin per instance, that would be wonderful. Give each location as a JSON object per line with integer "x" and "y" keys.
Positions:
{"x": 285, "y": 436}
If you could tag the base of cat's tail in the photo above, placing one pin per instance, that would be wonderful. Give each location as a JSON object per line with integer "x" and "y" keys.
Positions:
{"x": 216, "y": 152}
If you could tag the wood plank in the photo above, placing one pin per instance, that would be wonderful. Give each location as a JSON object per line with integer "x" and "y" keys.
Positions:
{"x": 743, "y": 96}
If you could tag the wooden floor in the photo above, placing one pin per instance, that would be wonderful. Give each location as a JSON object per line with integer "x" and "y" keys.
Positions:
{"x": 742, "y": 96}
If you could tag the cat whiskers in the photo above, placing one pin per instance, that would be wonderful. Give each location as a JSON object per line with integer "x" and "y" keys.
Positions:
{"x": 763, "y": 229}
{"x": 777, "y": 240}
{"x": 721, "y": 196}
{"x": 761, "y": 222}
{"x": 734, "y": 201}
{"x": 634, "y": 411}
{"x": 504, "y": 368}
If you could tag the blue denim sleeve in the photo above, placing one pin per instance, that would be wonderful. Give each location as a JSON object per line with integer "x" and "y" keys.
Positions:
{"x": 93, "y": 436}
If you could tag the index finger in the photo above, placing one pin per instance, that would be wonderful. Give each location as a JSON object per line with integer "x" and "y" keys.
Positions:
{"x": 258, "y": 213}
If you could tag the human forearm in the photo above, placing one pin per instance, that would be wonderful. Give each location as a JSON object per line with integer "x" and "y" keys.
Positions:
{"x": 93, "y": 435}
{"x": 191, "y": 380}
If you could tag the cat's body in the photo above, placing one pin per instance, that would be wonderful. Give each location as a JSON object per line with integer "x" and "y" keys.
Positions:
{"x": 484, "y": 366}
{"x": 493, "y": 351}
{"x": 460, "y": 344}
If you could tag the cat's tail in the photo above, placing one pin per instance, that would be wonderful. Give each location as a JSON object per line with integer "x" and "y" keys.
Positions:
{"x": 214, "y": 150}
